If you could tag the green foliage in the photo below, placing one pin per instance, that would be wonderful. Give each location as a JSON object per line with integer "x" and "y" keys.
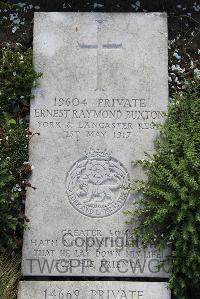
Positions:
{"x": 13, "y": 152}
{"x": 168, "y": 211}
{"x": 9, "y": 276}
{"x": 17, "y": 77}
{"x": 5, "y": 5}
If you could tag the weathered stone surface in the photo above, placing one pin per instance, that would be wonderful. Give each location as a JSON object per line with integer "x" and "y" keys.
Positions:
{"x": 93, "y": 290}
{"x": 104, "y": 84}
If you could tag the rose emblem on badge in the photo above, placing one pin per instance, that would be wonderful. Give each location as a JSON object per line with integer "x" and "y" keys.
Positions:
{"x": 95, "y": 184}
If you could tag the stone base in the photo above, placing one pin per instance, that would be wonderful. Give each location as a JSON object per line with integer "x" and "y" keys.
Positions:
{"x": 93, "y": 290}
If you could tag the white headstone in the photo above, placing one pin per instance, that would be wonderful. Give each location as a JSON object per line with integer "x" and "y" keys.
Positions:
{"x": 93, "y": 290}
{"x": 104, "y": 85}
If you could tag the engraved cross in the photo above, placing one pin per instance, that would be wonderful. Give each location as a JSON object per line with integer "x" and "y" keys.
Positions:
{"x": 100, "y": 47}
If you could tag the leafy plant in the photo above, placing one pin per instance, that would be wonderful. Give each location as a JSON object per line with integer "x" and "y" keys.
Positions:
{"x": 168, "y": 212}
{"x": 6, "y": 5}
{"x": 17, "y": 77}
{"x": 9, "y": 276}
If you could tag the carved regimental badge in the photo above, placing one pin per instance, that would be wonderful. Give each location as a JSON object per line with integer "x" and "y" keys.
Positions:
{"x": 95, "y": 184}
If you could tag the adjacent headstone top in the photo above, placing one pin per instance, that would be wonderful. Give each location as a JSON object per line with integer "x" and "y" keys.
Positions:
{"x": 104, "y": 85}
{"x": 93, "y": 290}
